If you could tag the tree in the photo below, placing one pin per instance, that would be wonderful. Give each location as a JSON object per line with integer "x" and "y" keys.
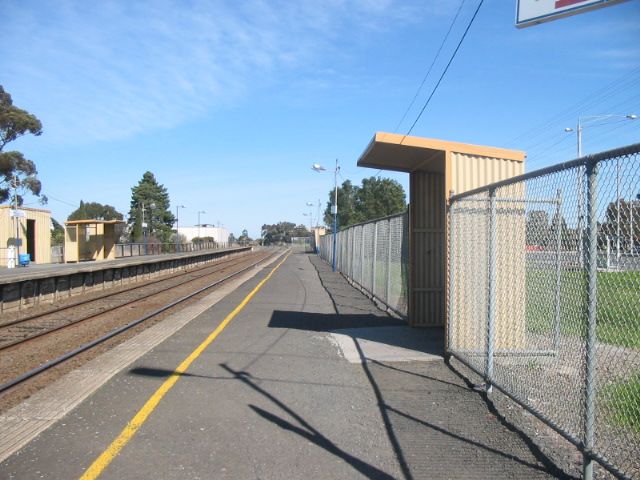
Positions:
{"x": 376, "y": 198}
{"x": 94, "y": 210}
{"x": 244, "y": 238}
{"x": 300, "y": 231}
{"x": 346, "y": 205}
{"x": 537, "y": 228}
{"x": 57, "y": 233}
{"x": 210, "y": 240}
{"x": 150, "y": 200}
{"x": 629, "y": 218}
{"x": 280, "y": 232}
{"x": 379, "y": 197}
{"x": 16, "y": 172}
{"x": 568, "y": 236}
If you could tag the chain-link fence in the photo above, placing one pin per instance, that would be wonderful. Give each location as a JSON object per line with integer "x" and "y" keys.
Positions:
{"x": 544, "y": 299}
{"x": 140, "y": 249}
{"x": 374, "y": 255}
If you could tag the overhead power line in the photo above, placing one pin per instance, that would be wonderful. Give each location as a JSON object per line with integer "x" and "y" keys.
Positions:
{"x": 435, "y": 88}
{"x": 62, "y": 201}
{"x": 625, "y": 83}
{"x": 435, "y": 58}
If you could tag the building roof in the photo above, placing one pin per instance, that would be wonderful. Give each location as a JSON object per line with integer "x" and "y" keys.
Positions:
{"x": 20, "y": 207}
{"x": 93, "y": 222}
{"x": 403, "y": 153}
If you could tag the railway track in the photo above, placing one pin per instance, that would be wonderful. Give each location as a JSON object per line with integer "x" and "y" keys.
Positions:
{"x": 24, "y": 329}
{"x": 84, "y": 325}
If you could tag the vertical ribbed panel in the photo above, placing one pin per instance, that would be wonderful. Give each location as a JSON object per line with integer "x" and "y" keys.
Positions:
{"x": 469, "y": 172}
{"x": 427, "y": 249}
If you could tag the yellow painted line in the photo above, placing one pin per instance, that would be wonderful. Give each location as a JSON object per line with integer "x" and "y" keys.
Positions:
{"x": 103, "y": 461}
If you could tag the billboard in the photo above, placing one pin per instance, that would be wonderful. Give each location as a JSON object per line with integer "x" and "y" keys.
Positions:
{"x": 532, "y": 12}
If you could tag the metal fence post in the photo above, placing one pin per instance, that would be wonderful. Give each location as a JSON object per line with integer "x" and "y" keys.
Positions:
{"x": 491, "y": 304}
{"x": 451, "y": 257}
{"x": 592, "y": 304}
{"x": 362, "y": 245}
{"x": 352, "y": 254}
{"x": 388, "y": 285}
{"x": 556, "y": 336}
{"x": 375, "y": 258}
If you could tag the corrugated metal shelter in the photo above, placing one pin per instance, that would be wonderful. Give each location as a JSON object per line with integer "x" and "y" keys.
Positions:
{"x": 436, "y": 168}
{"x": 30, "y": 233}
{"x": 86, "y": 240}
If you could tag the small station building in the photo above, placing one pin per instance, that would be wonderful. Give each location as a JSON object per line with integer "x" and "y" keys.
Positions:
{"x": 87, "y": 240}
{"x": 28, "y": 231}
{"x": 436, "y": 169}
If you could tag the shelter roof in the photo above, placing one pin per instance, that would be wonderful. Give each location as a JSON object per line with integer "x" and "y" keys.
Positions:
{"x": 20, "y": 207}
{"x": 403, "y": 153}
{"x": 93, "y": 222}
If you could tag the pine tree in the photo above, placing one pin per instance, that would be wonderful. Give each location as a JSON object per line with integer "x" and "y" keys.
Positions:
{"x": 150, "y": 200}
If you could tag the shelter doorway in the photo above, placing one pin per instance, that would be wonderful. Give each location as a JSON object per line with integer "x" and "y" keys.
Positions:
{"x": 31, "y": 239}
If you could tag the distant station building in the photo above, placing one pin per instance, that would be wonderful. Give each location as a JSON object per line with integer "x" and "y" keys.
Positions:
{"x": 219, "y": 234}
{"x": 25, "y": 231}
{"x": 87, "y": 240}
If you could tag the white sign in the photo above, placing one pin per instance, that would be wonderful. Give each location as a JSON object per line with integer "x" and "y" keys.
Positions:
{"x": 17, "y": 213}
{"x": 533, "y": 12}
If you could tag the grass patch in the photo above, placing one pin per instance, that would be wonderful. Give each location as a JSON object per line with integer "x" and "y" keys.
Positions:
{"x": 618, "y": 308}
{"x": 623, "y": 403}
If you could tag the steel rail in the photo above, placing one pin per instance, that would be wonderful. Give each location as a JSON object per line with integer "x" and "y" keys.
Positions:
{"x": 48, "y": 331}
{"x": 63, "y": 358}
{"x": 106, "y": 295}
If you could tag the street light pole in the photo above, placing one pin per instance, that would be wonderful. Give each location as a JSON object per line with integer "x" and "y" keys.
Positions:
{"x": 199, "y": 212}
{"x": 335, "y": 213}
{"x": 144, "y": 230}
{"x": 334, "y": 209}
{"x": 178, "y": 207}
{"x": 580, "y": 126}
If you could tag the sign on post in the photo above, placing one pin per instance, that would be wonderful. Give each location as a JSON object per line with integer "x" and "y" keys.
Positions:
{"x": 17, "y": 213}
{"x": 533, "y": 12}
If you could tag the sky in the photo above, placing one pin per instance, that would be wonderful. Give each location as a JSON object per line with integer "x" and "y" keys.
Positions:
{"x": 230, "y": 103}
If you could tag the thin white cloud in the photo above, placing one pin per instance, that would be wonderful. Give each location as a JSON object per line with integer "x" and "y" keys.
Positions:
{"x": 100, "y": 73}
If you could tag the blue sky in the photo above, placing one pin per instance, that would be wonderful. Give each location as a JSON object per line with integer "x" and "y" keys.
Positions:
{"x": 229, "y": 103}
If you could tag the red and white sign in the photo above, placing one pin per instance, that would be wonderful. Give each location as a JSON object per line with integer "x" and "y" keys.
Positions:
{"x": 532, "y": 12}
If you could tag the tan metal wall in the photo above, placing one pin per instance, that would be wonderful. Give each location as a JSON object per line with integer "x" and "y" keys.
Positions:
{"x": 428, "y": 226}
{"x": 428, "y": 249}
{"x": 42, "y": 234}
{"x": 467, "y": 172}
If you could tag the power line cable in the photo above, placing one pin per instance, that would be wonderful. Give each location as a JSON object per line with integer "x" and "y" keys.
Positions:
{"x": 62, "y": 201}
{"x": 534, "y": 156}
{"x": 599, "y": 96}
{"x": 592, "y": 99}
{"x": 559, "y": 124}
{"x": 475, "y": 14}
{"x": 616, "y": 107}
{"x": 435, "y": 58}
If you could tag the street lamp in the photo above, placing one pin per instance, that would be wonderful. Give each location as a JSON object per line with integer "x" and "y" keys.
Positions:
{"x": 581, "y": 123}
{"x": 178, "y": 207}
{"x": 146, "y": 229}
{"x": 310, "y": 205}
{"x": 334, "y": 208}
{"x": 199, "y": 212}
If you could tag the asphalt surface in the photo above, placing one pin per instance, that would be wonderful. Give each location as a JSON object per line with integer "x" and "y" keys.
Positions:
{"x": 273, "y": 397}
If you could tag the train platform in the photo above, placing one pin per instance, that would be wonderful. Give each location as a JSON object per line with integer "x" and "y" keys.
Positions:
{"x": 25, "y": 287}
{"x": 42, "y": 270}
{"x": 288, "y": 373}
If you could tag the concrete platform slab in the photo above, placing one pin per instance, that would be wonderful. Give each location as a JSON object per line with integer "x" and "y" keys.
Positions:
{"x": 273, "y": 398}
{"x": 389, "y": 344}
